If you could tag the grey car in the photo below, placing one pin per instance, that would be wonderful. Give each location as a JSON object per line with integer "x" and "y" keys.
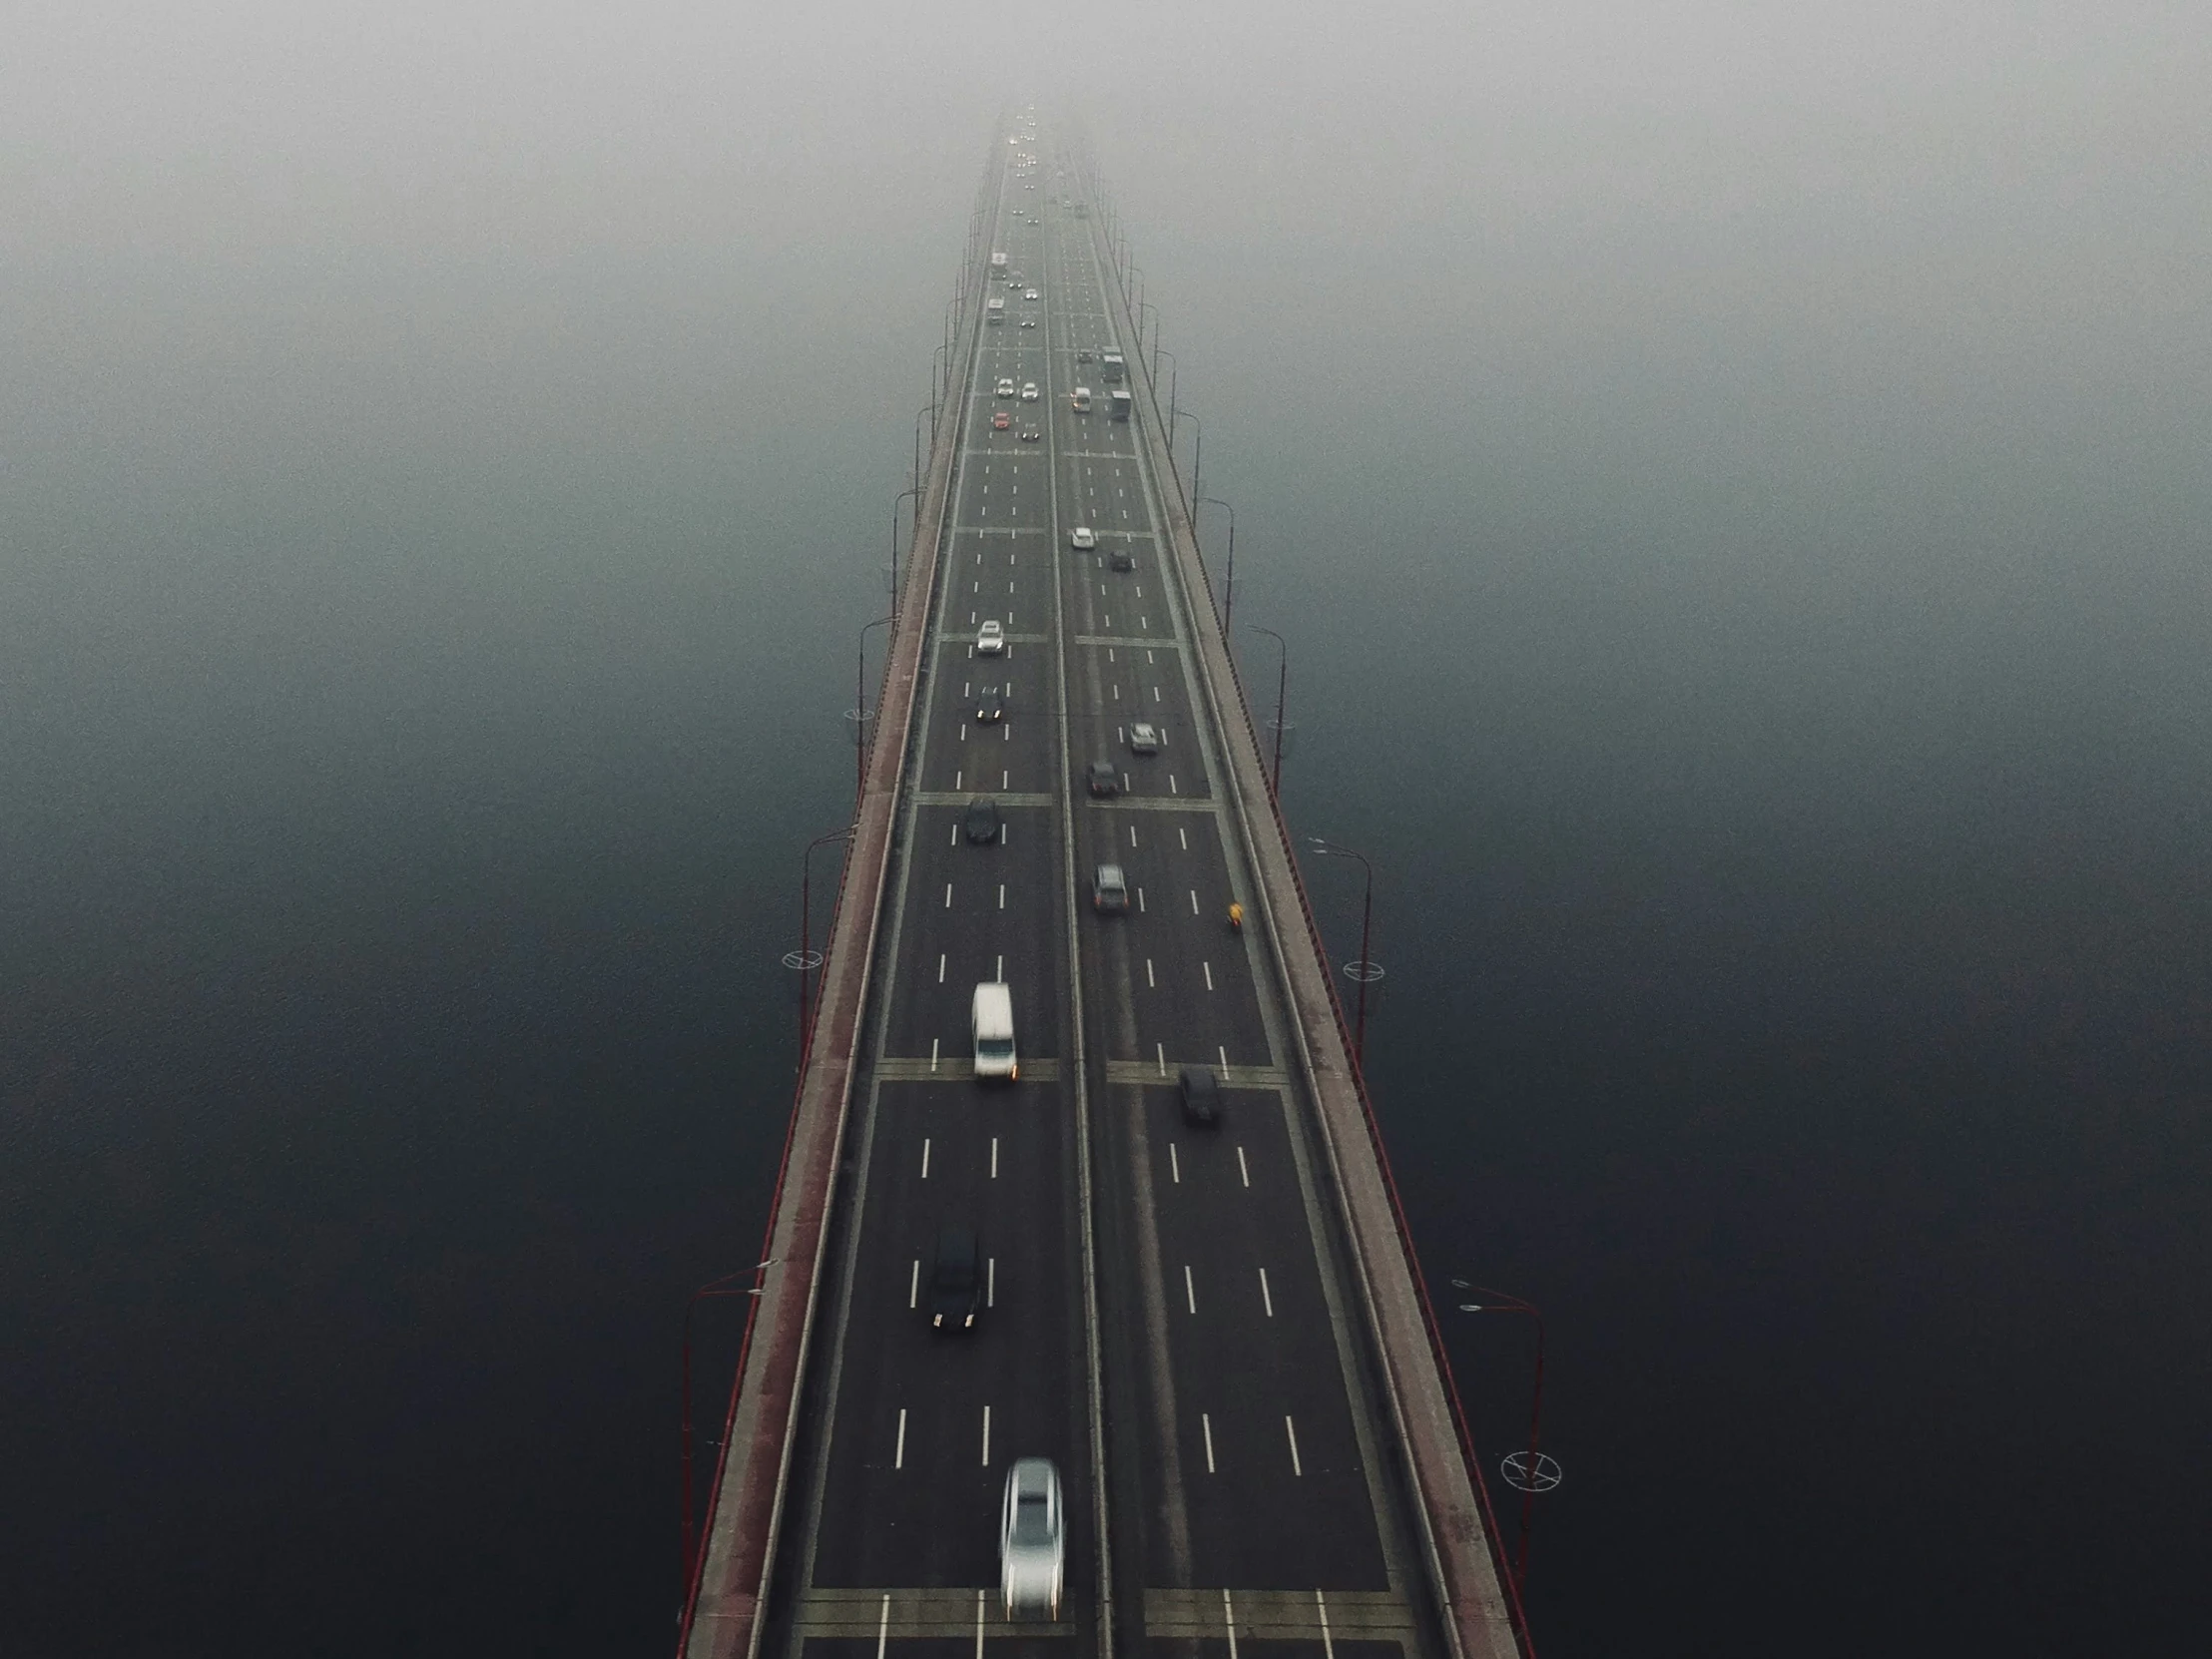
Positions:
{"x": 1110, "y": 890}
{"x": 1031, "y": 1539}
{"x": 981, "y": 819}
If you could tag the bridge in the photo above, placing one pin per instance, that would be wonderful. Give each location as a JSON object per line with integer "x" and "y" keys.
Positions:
{"x": 1218, "y": 1335}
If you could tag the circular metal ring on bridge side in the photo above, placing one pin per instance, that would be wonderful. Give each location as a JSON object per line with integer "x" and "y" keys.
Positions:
{"x": 1364, "y": 973}
{"x": 857, "y": 720}
{"x": 1526, "y": 1474}
{"x": 803, "y": 964}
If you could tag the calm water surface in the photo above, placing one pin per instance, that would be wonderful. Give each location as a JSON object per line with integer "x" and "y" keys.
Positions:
{"x": 1791, "y": 885}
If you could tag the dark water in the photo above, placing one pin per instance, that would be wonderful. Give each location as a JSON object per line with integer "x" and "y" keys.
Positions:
{"x": 1789, "y": 818}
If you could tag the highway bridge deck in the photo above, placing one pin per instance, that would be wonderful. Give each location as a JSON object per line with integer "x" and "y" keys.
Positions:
{"x": 1174, "y": 1314}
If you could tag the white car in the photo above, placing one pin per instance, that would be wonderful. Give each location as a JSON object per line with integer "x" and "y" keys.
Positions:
{"x": 1006, "y": 388}
{"x": 1144, "y": 738}
{"x": 1029, "y": 391}
{"x": 990, "y": 639}
{"x": 1033, "y": 294}
{"x": 1031, "y": 1539}
{"x": 1082, "y": 538}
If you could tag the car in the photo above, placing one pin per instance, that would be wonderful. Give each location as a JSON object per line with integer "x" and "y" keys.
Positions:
{"x": 1082, "y": 538}
{"x": 1030, "y": 434}
{"x": 981, "y": 822}
{"x": 1028, "y": 323}
{"x": 1144, "y": 738}
{"x": 990, "y": 703}
{"x": 1110, "y": 890}
{"x": 990, "y": 638}
{"x": 1200, "y": 1091}
{"x": 1086, "y": 356}
{"x": 1029, "y": 391}
{"x": 1031, "y": 1539}
{"x": 1122, "y": 559}
{"x": 1000, "y": 420}
{"x": 1033, "y": 294}
{"x": 1102, "y": 778}
{"x": 955, "y": 1281}
{"x": 1006, "y": 388}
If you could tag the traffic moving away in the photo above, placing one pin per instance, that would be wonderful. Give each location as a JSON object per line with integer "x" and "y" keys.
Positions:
{"x": 1089, "y": 1365}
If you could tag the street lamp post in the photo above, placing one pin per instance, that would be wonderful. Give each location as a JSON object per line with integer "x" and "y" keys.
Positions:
{"x": 1282, "y": 684}
{"x": 1228, "y": 586}
{"x": 712, "y": 1287}
{"x": 1198, "y": 452}
{"x": 1537, "y": 1472}
{"x": 1175, "y": 377}
{"x": 859, "y": 715}
{"x": 807, "y": 962}
{"x": 1366, "y": 963}
{"x": 896, "y": 500}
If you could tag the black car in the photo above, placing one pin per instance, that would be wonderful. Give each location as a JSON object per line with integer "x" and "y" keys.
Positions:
{"x": 1201, "y": 1092}
{"x": 1086, "y": 356}
{"x": 981, "y": 819}
{"x": 990, "y": 704}
{"x": 1030, "y": 434}
{"x": 956, "y": 1280}
{"x": 1122, "y": 559}
{"x": 1103, "y": 778}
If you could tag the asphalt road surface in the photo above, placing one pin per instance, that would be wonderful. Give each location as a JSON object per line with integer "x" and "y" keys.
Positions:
{"x": 1248, "y": 1490}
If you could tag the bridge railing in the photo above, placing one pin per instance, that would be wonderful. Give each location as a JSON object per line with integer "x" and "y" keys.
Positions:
{"x": 971, "y": 287}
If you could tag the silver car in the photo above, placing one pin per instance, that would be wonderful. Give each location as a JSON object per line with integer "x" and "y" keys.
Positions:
{"x": 1032, "y": 1539}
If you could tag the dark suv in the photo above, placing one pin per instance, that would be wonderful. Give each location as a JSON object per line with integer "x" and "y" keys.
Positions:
{"x": 1103, "y": 776}
{"x": 1201, "y": 1092}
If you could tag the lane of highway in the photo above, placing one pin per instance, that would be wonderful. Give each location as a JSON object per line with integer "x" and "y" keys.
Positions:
{"x": 1243, "y": 1466}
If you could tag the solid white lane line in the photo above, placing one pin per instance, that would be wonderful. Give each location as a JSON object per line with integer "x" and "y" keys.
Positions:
{"x": 986, "y": 1437}
{"x": 995, "y": 1157}
{"x": 1205, "y": 1426}
{"x": 925, "y": 1157}
{"x": 1190, "y": 1291}
{"x": 1228, "y": 1617}
{"x": 1264, "y": 1297}
{"x": 1208, "y": 966}
{"x": 1174, "y": 1164}
{"x": 913, "y": 1285}
{"x": 898, "y": 1462}
{"x": 1241, "y": 1169}
{"x": 1291, "y": 1429}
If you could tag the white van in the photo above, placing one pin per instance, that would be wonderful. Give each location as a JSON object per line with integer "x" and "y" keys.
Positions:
{"x": 992, "y": 1026}
{"x": 1081, "y": 399}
